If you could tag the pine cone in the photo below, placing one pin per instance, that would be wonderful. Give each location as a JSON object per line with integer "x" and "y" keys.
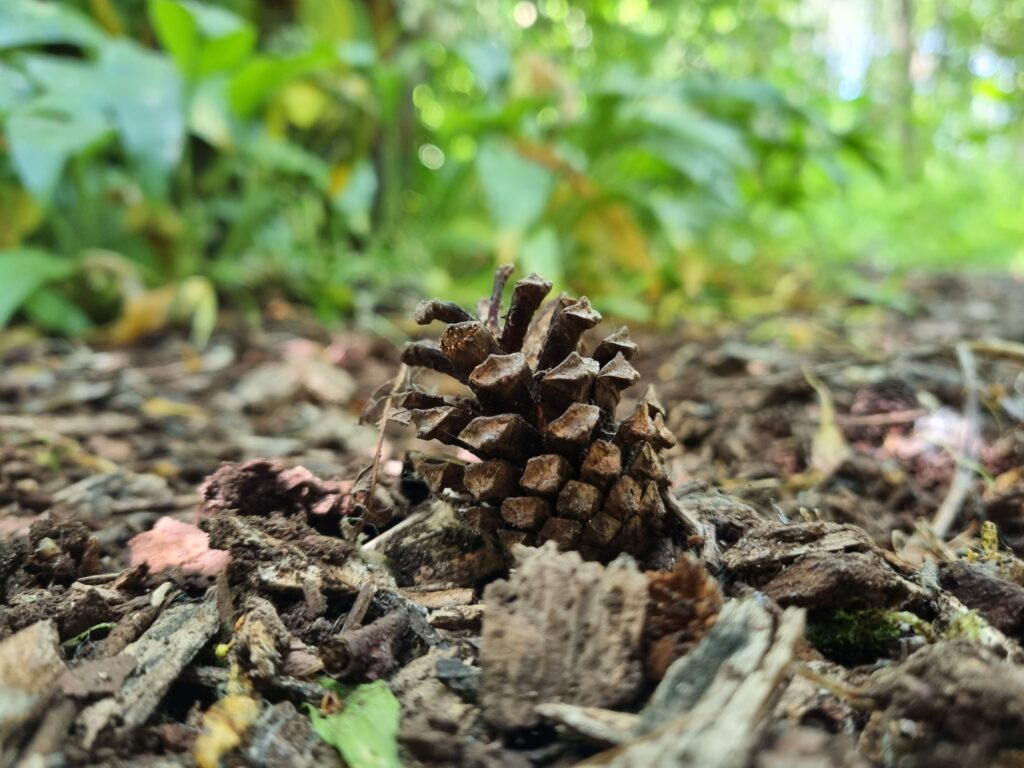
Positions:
{"x": 555, "y": 462}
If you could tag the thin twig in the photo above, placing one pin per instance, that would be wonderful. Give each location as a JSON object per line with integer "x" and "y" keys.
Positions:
{"x": 964, "y": 478}
{"x": 403, "y": 372}
{"x": 1012, "y": 350}
{"x": 501, "y": 276}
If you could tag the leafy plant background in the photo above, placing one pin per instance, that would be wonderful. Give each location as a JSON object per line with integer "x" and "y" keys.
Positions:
{"x": 160, "y": 157}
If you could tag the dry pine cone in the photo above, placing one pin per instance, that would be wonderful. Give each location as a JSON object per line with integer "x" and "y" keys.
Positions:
{"x": 555, "y": 462}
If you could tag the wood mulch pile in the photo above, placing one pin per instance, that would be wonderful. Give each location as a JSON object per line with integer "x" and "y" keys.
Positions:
{"x": 205, "y": 559}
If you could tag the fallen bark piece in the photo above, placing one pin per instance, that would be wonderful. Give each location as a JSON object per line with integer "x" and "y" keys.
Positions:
{"x": 371, "y": 652}
{"x": 767, "y": 547}
{"x": 97, "y": 677}
{"x": 948, "y": 704}
{"x": 1001, "y": 602}
{"x": 839, "y": 580}
{"x": 162, "y": 652}
{"x": 285, "y": 554}
{"x": 714, "y": 703}
{"x": 261, "y": 641}
{"x": 436, "y": 722}
{"x": 601, "y": 727}
{"x": 433, "y": 545}
{"x": 30, "y": 664}
{"x": 560, "y": 630}
{"x": 283, "y": 737}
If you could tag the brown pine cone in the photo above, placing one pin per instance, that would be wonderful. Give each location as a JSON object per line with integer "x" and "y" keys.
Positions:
{"x": 555, "y": 462}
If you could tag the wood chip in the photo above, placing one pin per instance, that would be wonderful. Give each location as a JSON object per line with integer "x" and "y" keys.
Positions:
{"x": 162, "y": 652}
{"x": 539, "y": 644}
{"x": 715, "y": 703}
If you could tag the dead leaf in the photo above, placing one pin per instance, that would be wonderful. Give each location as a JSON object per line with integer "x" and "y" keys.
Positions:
{"x": 174, "y": 544}
{"x": 829, "y": 448}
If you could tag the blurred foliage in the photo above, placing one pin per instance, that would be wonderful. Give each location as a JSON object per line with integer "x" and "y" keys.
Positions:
{"x": 159, "y": 154}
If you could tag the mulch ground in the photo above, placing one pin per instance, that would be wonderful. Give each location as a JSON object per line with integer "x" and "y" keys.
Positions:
{"x": 206, "y": 559}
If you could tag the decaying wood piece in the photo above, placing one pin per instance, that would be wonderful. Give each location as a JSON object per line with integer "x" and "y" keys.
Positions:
{"x": 161, "y": 653}
{"x": 284, "y": 555}
{"x": 541, "y": 643}
{"x": 714, "y": 703}
{"x": 282, "y": 736}
{"x": 30, "y": 664}
{"x": 951, "y": 703}
{"x": 261, "y": 641}
{"x": 367, "y": 652}
{"x": 435, "y": 545}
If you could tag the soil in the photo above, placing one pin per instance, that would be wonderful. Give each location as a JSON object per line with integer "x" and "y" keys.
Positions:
{"x": 204, "y": 555}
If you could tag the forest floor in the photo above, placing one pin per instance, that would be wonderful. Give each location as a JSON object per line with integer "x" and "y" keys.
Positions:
{"x": 191, "y": 565}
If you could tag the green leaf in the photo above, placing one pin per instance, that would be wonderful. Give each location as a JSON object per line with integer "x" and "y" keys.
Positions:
{"x": 30, "y": 22}
{"x": 516, "y": 190}
{"x": 15, "y": 88}
{"x": 22, "y": 272}
{"x": 261, "y": 76}
{"x": 149, "y": 106}
{"x": 209, "y": 117}
{"x": 52, "y": 311}
{"x": 41, "y": 144}
{"x": 365, "y": 730}
{"x": 202, "y": 38}
{"x": 355, "y": 200}
{"x": 541, "y": 254}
